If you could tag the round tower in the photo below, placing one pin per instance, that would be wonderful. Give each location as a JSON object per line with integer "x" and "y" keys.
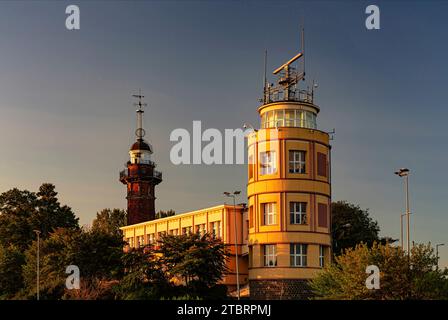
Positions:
{"x": 140, "y": 175}
{"x": 289, "y": 191}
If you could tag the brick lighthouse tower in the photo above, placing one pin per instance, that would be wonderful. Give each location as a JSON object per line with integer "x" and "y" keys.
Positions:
{"x": 140, "y": 175}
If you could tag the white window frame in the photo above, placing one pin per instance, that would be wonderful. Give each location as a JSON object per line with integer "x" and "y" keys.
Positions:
{"x": 322, "y": 256}
{"x": 268, "y": 162}
{"x": 216, "y": 228}
{"x": 140, "y": 241}
{"x": 298, "y": 161}
{"x": 269, "y": 213}
{"x": 279, "y": 118}
{"x": 298, "y": 254}
{"x": 201, "y": 229}
{"x": 270, "y": 255}
{"x": 297, "y": 211}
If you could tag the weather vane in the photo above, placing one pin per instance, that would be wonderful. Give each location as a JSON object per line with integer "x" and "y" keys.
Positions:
{"x": 140, "y": 132}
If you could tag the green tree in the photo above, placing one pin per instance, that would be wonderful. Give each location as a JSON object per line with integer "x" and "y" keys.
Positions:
{"x": 109, "y": 221}
{"x": 352, "y": 225}
{"x": 97, "y": 254}
{"x": 50, "y": 215}
{"x": 163, "y": 214}
{"x": 400, "y": 277}
{"x": 22, "y": 211}
{"x": 16, "y": 208}
{"x": 56, "y": 253}
{"x": 11, "y": 279}
{"x": 144, "y": 276}
{"x": 200, "y": 261}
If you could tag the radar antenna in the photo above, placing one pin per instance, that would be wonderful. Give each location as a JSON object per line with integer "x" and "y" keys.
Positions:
{"x": 288, "y": 78}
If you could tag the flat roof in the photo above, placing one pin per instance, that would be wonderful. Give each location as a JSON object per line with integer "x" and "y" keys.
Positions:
{"x": 220, "y": 206}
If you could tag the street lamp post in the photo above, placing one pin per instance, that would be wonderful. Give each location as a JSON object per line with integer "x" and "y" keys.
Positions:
{"x": 437, "y": 253}
{"x": 401, "y": 229}
{"x": 233, "y": 195}
{"x": 37, "y": 262}
{"x": 404, "y": 172}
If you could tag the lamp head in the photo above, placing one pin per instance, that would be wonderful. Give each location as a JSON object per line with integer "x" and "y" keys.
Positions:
{"x": 402, "y": 172}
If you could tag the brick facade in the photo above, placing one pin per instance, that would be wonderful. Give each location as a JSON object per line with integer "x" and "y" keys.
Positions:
{"x": 281, "y": 289}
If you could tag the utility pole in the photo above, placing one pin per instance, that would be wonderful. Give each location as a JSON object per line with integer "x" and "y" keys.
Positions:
{"x": 37, "y": 262}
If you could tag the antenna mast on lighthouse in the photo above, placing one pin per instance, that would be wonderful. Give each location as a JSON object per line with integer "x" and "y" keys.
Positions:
{"x": 140, "y": 132}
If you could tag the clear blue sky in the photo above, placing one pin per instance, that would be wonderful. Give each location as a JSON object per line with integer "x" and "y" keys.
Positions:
{"x": 66, "y": 114}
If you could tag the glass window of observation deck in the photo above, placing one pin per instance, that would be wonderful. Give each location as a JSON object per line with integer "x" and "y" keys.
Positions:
{"x": 289, "y": 118}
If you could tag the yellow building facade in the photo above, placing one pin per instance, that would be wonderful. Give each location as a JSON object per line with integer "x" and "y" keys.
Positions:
{"x": 284, "y": 231}
{"x": 218, "y": 220}
{"x": 289, "y": 190}
{"x": 288, "y": 200}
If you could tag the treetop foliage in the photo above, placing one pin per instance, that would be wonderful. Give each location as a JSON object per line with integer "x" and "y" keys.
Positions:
{"x": 22, "y": 211}
{"x": 400, "y": 277}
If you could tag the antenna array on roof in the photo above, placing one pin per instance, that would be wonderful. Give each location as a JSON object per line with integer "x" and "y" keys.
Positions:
{"x": 287, "y": 86}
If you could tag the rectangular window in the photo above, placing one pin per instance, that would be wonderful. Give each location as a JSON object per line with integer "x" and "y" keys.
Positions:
{"x": 279, "y": 116}
{"x": 300, "y": 121}
{"x": 251, "y": 216}
{"x": 321, "y": 256}
{"x": 151, "y": 238}
{"x": 140, "y": 241}
{"x": 263, "y": 120}
{"x": 216, "y": 228}
{"x": 289, "y": 118}
{"x": 298, "y": 254}
{"x": 269, "y": 213}
{"x": 268, "y": 162}
{"x": 297, "y": 212}
{"x": 270, "y": 255}
{"x": 200, "y": 228}
{"x": 186, "y": 230}
{"x": 251, "y": 167}
{"x": 322, "y": 215}
{"x": 321, "y": 164}
{"x": 296, "y": 161}
{"x": 270, "y": 119}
